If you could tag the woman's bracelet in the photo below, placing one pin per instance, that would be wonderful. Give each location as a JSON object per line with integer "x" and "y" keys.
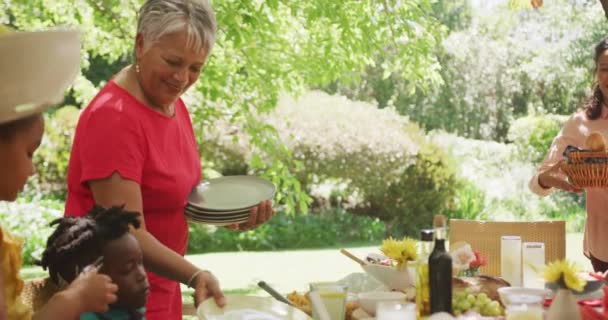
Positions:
{"x": 193, "y": 277}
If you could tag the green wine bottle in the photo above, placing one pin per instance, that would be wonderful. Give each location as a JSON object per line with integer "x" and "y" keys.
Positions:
{"x": 440, "y": 270}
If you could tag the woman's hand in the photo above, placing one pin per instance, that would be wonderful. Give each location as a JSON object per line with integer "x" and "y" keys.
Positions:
{"x": 94, "y": 291}
{"x": 207, "y": 286}
{"x": 550, "y": 179}
{"x": 257, "y": 216}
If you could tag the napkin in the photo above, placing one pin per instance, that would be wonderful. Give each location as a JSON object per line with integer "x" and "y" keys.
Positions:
{"x": 244, "y": 314}
{"x": 582, "y": 302}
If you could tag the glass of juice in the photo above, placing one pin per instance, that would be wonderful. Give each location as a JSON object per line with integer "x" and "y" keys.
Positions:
{"x": 524, "y": 307}
{"x": 333, "y": 296}
{"x": 392, "y": 310}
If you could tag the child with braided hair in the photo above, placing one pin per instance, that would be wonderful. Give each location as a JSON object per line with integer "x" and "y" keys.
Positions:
{"x": 101, "y": 234}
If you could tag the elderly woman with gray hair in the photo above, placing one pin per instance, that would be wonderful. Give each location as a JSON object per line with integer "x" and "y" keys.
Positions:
{"x": 135, "y": 146}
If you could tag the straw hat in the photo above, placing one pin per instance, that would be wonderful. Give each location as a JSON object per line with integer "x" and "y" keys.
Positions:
{"x": 35, "y": 70}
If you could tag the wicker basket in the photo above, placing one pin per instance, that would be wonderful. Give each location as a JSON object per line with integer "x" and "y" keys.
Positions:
{"x": 583, "y": 172}
{"x": 37, "y": 292}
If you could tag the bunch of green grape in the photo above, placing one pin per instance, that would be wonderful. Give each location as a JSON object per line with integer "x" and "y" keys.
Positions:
{"x": 465, "y": 300}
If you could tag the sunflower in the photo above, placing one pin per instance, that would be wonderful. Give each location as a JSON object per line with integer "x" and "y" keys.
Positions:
{"x": 565, "y": 274}
{"x": 400, "y": 251}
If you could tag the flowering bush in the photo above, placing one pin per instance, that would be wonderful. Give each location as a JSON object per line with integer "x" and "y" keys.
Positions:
{"x": 30, "y": 222}
{"x": 492, "y": 168}
{"x": 466, "y": 260}
{"x": 383, "y": 163}
{"x": 532, "y": 135}
{"x": 51, "y": 159}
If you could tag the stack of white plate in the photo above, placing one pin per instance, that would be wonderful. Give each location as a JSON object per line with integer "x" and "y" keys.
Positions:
{"x": 227, "y": 200}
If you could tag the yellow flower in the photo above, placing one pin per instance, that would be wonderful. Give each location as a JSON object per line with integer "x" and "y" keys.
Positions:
{"x": 565, "y": 274}
{"x": 390, "y": 248}
{"x": 400, "y": 251}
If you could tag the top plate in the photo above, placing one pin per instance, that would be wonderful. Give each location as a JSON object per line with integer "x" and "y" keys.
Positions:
{"x": 231, "y": 193}
{"x": 249, "y": 307}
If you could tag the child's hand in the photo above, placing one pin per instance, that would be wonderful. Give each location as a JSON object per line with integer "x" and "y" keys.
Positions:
{"x": 94, "y": 291}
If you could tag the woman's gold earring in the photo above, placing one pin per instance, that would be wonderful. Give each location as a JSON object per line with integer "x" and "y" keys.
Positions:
{"x": 137, "y": 68}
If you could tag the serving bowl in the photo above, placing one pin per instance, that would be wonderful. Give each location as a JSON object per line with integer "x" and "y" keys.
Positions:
{"x": 390, "y": 277}
{"x": 506, "y": 294}
{"x": 368, "y": 301}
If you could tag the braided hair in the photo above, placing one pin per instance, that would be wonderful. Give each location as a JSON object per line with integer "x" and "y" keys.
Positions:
{"x": 79, "y": 241}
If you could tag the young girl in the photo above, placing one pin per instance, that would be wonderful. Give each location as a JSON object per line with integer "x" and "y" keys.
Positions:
{"x": 102, "y": 235}
{"x": 21, "y": 129}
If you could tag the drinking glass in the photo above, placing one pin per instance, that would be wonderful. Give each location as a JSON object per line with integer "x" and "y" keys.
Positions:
{"x": 392, "y": 310}
{"x": 510, "y": 259}
{"x": 524, "y": 307}
{"x": 533, "y": 261}
{"x": 333, "y": 296}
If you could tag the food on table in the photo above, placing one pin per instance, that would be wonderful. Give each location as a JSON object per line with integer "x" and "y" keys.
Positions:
{"x": 377, "y": 258}
{"x": 481, "y": 284}
{"x": 350, "y": 308}
{"x": 467, "y": 300}
{"x": 595, "y": 141}
{"x": 302, "y": 302}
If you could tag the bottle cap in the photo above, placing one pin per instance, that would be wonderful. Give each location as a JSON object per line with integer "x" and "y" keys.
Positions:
{"x": 426, "y": 234}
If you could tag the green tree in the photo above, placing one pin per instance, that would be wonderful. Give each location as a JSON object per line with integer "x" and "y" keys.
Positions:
{"x": 263, "y": 48}
{"x": 496, "y": 66}
{"x": 516, "y": 63}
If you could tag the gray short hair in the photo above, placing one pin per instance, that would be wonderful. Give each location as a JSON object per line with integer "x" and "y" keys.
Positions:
{"x": 160, "y": 17}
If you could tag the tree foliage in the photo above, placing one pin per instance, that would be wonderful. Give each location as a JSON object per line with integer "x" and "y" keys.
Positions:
{"x": 498, "y": 64}
{"x": 263, "y": 48}
{"x": 516, "y": 63}
{"x": 532, "y": 136}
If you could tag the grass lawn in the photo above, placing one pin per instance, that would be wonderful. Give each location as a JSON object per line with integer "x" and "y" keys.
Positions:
{"x": 239, "y": 272}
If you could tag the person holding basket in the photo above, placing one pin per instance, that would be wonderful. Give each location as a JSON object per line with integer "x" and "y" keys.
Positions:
{"x": 585, "y": 129}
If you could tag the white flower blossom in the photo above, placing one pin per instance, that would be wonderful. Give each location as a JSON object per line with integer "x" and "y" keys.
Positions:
{"x": 462, "y": 257}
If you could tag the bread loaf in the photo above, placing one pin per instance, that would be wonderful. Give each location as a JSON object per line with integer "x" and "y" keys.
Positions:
{"x": 595, "y": 142}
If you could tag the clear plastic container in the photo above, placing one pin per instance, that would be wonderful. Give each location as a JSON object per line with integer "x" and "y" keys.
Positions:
{"x": 524, "y": 307}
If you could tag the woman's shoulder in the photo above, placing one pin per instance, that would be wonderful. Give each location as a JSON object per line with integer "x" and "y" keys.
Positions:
{"x": 111, "y": 103}
{"x": 578, "y": 116}
{"x": 578, "y": 126}
{"x": 578, "y": 120}
{"x": 111, "y": 98}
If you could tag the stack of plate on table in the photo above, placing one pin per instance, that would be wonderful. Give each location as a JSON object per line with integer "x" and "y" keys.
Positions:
{"x": 227, "y": 200}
